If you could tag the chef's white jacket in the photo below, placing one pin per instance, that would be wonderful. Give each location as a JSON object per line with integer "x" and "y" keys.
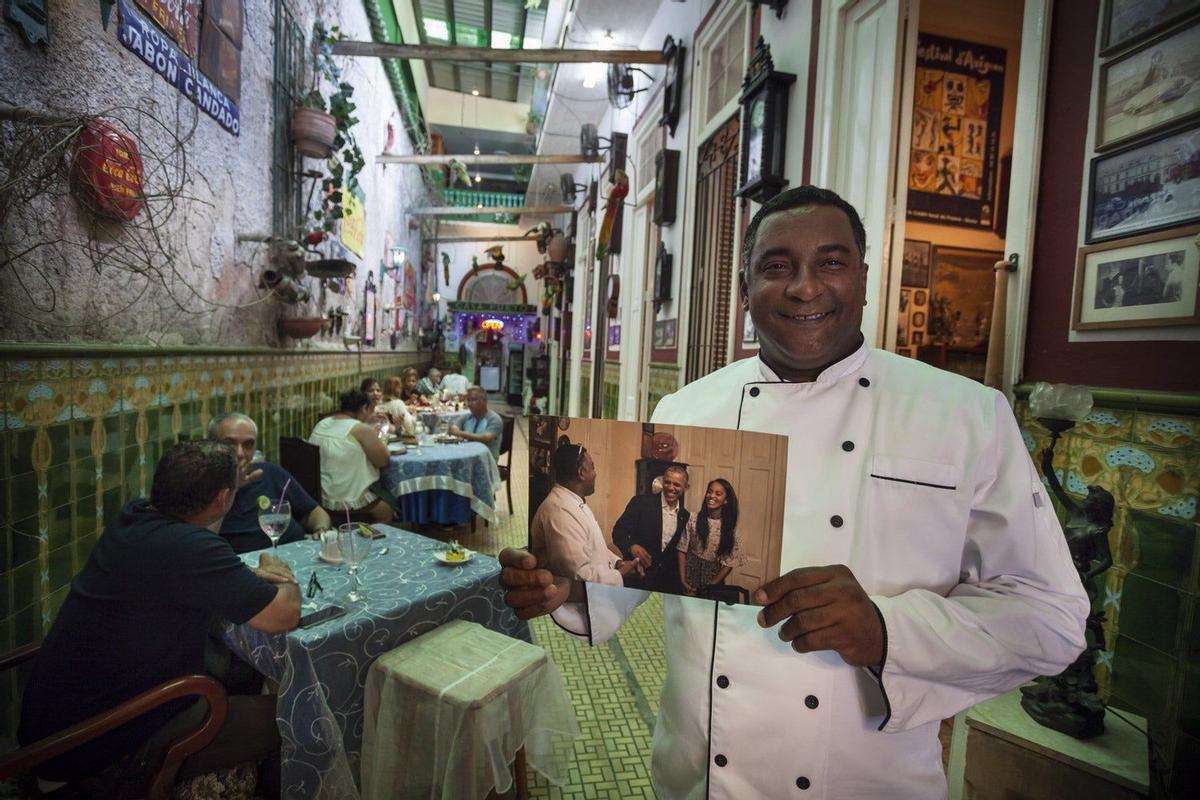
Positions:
{"x": 918, "y": 480}
{"x": 567, "y": 540}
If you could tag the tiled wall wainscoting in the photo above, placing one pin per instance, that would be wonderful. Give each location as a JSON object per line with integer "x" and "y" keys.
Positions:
{"x": 663, "y": 380}
{"x": 82, "y": 432}
{"x": 1146, "y": 451}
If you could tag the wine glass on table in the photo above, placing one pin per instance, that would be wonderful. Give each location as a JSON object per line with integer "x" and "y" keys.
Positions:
{"x": 355, "y": 543}
{"x": 274, "y": 516}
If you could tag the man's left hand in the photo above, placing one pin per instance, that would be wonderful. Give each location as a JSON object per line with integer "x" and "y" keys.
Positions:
{"x": 455, "y": 430}
{"x": 826, "y": 609}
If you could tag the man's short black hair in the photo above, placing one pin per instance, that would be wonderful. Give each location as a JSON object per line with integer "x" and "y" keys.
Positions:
{"x": 568, "y": 458}
{"x": 351, "y": 401}
{"x": 679, "y": 468}
{"x": 189, "y": 476}
{"x": 807, "y": 195}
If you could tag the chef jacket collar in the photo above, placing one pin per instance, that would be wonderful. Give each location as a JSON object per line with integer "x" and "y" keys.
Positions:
{"x": 831, "y": 374}
{"x": 571, "y": 496}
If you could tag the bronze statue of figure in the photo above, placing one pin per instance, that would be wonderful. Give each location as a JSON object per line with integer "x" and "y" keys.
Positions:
{"x": 1069, "y": 702}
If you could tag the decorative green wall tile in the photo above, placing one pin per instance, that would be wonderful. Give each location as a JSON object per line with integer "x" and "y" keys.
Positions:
{"x": 58, "y": 482}
{"x": 59, "y": 531}
{"x": 24, "y": 494}
{"x": 1107, "y": 424}
{"x": 25, "y": 541}
{"x": 62, "y": 566}
{"x": 27, "y": 625}
{"x": 6, "y": 605}
{"x": 1167, "y": 432}
{"x": 1150, "y": 613}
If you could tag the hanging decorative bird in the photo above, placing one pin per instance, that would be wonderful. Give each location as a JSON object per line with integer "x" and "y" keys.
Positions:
{"x": 616, "y": 197}
{"x": 517, "y": 282}
{"x": 496, "y": 253}
{"x": 446, "y": 267}
{"x": 533, "y": 5}
{"x": 458, "y": 172}
{"x": 474, "y": 264}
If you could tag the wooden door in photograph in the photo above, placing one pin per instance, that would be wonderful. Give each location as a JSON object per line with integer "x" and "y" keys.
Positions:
{"x": 759, "y": 485}
{"x": 713, "y": 240}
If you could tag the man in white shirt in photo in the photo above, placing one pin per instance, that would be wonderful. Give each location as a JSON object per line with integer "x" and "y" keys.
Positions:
{"x": 923, "y": 569}
{"x": 564, "y": 534}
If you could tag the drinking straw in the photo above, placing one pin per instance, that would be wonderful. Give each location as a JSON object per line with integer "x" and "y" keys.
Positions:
{"x": 286, "y": 484}
{"x": 346, "y": 506}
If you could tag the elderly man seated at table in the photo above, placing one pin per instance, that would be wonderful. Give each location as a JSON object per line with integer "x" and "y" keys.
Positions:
{"x": 481, "y": 425}
{"x": 261, "y": 479}
{"x": 351, "y": 456}
{"x": 431, "y": 384}
{"x": 138, "y": 614}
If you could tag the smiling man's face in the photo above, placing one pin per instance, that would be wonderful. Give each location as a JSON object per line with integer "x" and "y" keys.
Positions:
{"x": 806, "y": 287}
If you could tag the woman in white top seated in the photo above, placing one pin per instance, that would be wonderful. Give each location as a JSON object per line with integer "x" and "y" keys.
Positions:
{"x": 395, "y": 408}
{"x": 351, "y": 457}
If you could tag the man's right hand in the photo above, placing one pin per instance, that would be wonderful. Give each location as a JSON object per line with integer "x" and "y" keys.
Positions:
{"x": 528, "y": 590}
{"x": 642, "y": 555}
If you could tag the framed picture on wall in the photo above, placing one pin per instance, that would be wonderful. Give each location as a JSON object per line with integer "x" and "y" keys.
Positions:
{"x": 1150, "y": 88}
{"x": 1127, "y": 22}
{"x": 962, "y": 295}
{"x": 1146, "y": 187}
{"x": 1145, "y": 282}
{"x": 916, "y": 263}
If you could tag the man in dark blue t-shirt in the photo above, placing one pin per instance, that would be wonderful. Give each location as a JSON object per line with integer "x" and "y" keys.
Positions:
{"x": 264, "y": 479}
{"x": 138, "y": 614}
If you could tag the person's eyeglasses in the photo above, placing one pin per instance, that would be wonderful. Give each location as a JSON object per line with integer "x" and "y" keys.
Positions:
{"x": 314, "y": 586}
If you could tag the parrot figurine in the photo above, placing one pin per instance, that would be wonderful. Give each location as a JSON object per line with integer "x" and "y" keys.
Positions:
{"x": 533, "y": 5}
{"x": 517, "y": 283}
{"x": 541, "y": 232}
{"x": 474, "y": 264}
{"x": 458, "y": 172}
{"x": 496, "y": 253}
{"x": 616, "y": 196}
{"x": 446, "y": 267}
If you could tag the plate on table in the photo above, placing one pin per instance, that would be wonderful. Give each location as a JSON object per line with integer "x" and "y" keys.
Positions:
{"x": 397, "y": 449}
{"x": 443, "y": 556}
{"x": 446, "y": 438}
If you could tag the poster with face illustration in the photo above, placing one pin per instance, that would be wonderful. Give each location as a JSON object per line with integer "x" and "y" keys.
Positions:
{"x": 957, "y": 107}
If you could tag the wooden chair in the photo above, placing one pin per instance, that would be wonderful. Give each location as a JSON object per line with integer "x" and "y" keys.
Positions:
{"x": 158, "y": 786}
{"x": 506, "y": 443}
{"x": 303, "y": 461}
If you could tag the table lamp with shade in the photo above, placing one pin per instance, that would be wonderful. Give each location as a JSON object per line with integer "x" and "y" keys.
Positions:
{"x": 1069, "y": 702}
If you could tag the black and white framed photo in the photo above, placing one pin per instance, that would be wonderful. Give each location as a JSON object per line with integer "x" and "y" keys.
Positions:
{"x": 1152, "y": 87}
{"x": 1127, "y": 22}
{"x": 916, "y": 263}
{"x": 1144, "y": 282}
{"x": 1146, "y": 187}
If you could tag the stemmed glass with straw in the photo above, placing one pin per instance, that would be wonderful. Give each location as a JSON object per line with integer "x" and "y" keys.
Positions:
{"x": 274, "y": 516}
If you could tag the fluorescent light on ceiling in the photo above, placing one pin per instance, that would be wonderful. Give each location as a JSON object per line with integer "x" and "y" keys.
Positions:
{"x": 593, "y": 72}
{"x": 501, "y": 39}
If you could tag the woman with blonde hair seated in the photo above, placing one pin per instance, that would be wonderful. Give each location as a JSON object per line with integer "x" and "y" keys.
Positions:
{"x": 395, "y": 408}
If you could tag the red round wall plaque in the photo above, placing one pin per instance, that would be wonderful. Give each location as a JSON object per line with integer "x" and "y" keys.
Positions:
{"x": 107, "y": 171}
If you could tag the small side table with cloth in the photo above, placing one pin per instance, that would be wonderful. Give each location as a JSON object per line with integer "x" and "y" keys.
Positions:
{"x": 321, "y": 671}
{"x": 444, "y": 483}
{"x": 447, "y": 713}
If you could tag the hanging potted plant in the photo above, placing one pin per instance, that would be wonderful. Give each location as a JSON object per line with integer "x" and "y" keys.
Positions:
{"x": 313, "y": 128}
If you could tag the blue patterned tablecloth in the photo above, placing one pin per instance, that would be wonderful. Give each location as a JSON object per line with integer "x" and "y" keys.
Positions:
{"x": 467, "y": 469}
{"x": 322, "y": 671}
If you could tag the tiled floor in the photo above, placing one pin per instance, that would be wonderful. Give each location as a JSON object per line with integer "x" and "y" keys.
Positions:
{"x": 614, "y": 687}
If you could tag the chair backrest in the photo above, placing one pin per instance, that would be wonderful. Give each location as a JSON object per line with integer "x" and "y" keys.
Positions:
{"x": 506, "y": 435}
{"x": 303, "y": 461}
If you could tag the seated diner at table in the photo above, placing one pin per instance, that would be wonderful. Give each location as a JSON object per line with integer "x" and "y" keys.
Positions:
{"x": 138, "y": 615}
{"x": 455, "y": 384}
{"x": 431, "y": 385}
{"x": 396, "y": 410}
{"x": 261, "y": 479}
{"x": 351, "y": 456}
{"x": 408, "y": 388}
{"x": 481, "y": 425}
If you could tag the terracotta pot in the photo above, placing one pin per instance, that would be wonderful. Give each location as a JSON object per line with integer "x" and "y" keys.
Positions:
{"x": 300, "y": 327}
{"x": 313, "y": 132}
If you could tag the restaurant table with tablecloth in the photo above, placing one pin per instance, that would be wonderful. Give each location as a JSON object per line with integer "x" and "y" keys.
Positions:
{"x": 444, "y": 483}
{"x": 321, "y": 670}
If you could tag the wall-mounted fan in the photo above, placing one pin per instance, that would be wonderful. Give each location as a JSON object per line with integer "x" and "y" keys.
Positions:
{"x": 569, "y": 189}
{"x": 620, "y": 84}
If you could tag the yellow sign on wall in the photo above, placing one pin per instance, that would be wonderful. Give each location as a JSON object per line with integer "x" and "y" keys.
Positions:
{"x": 354, "y": 223}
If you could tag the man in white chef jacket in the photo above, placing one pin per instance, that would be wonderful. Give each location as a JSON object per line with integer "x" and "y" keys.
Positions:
{"x": 923, "y": 569}
{"x": 564, "y": 535}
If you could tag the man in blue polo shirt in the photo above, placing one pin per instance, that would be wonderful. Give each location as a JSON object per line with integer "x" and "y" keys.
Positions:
{"x": 263, "y": 479}
{"x": 481, "y": 425}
